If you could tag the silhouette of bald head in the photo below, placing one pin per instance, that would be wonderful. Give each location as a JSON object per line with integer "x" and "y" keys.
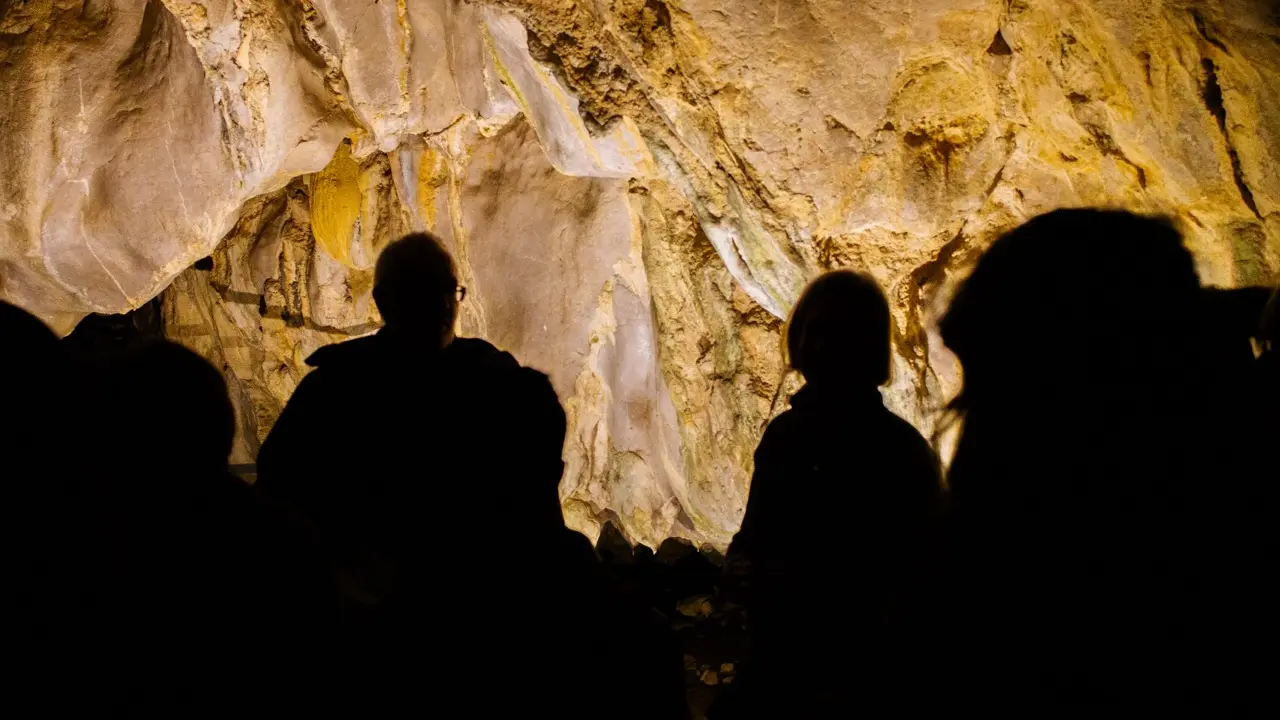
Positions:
{"x": 415, "y": 287}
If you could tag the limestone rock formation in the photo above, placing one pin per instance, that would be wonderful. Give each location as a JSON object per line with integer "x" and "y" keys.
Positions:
{"x": 636, "y": 190}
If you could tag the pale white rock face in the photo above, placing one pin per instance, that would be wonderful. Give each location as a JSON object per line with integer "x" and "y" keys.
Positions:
{"x": 555, "y": 268}
{"x": 142, "y": 134}
{"x": 636, "y": 190}
{"x": 553, "y": 111}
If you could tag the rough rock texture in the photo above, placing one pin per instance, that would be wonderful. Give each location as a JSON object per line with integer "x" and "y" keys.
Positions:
{"x": 636, "y": 190}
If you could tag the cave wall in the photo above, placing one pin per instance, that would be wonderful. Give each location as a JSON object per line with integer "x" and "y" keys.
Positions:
{"x": 635, "y": 190}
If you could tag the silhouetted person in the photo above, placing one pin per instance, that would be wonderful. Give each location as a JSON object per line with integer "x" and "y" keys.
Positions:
{"x": 1096, "y": 490}
{"x": 203, "y": 580}
{"x": 842, "y": 493}
{"x": 430, "y": 468}
{"x": 498, "y": 605}
{"x": 38, "y": 386}
{"x": 36, "y": 377}
{"x": 356, "y": 448}
{"x": 42, "y": 537}
{"x": 625, "y": 662}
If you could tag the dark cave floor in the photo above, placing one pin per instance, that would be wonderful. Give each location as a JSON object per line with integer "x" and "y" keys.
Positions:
{"x": 696, "y": 597}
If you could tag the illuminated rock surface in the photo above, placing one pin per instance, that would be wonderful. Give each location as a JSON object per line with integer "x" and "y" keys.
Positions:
{"x": 636, "y": 191}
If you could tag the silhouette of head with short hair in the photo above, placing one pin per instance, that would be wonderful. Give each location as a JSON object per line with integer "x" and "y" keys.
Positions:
{"x": 18, "y": 325}
{"x": 839, "y": 331}
{"x": 175, "y": 402}
{"x": 1075, "y": 300}
{"x": 415, "y": 287}
{"x": 27, "y": 341}
{"x": 34, "y": 373}
{"x": 1100, "y": 509}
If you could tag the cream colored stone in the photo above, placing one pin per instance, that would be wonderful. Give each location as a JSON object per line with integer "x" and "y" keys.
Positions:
{"x": 141, "y": 136}
{"x": 900, "y": 141}
{"x": 553, "y": 111}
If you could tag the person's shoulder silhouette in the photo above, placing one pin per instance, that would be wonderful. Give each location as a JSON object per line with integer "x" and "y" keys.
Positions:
{"x": 525, "y": 575}
{"x": 199, "y": 565}
{"x": 519, "y": 411}
{"x": 1231, "y": 319}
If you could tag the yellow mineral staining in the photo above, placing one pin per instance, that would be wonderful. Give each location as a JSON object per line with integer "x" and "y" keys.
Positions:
{"x": 503, "y": 74}
{"x": 433, "y": 174}
{"x": 565, "y": 103}
{"x": 336, "y": 200}
{"x": 360, "y": 283}
{"x": 941, "y": 108}
{"x": 632, "y": 146}
{"x": 406, "y": 49}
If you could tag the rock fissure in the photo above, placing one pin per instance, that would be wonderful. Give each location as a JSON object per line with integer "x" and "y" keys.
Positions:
{"x": 1214, "y": 102}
